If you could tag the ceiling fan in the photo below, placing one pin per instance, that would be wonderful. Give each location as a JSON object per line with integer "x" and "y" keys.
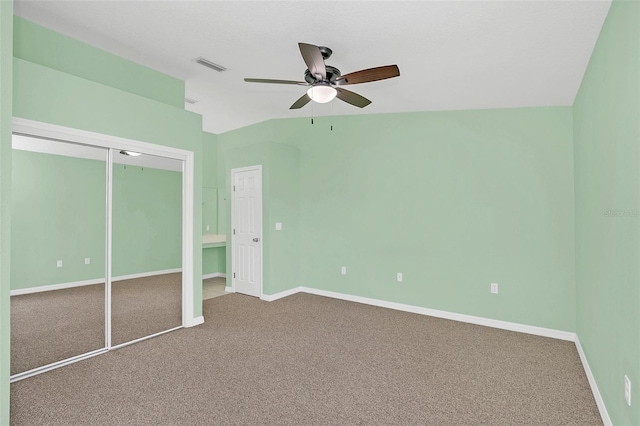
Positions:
{"x": 325, "y": 80}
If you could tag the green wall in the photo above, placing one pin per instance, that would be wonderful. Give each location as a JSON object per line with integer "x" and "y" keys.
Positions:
{"x": 209, "y": 160}
{"x": 214, "y": 260}
{"x": 607, "y": 180}
{"x": 6, "y": 96}
{"x": 37, "y": 44}
{"x": 454, "y": 200}
{"x": 209, "y": 184}
{"x": 147, "y": 220}
{"x": 58, "y": 213}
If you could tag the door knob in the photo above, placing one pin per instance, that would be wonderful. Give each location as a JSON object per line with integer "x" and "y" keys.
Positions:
{"x": 255, "y": 240}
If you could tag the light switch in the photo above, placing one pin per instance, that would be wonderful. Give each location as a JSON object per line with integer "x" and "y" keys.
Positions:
{"x": 278, "y": 226}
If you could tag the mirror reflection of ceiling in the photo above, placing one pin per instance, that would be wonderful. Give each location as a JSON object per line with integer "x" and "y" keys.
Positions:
{"x": 27, "y": 143}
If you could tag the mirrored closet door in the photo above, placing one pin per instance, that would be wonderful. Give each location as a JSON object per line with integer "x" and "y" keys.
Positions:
{"x": 146, "y": 265}
{"x": 97, "y": 246}
{"x": 58, "y": 241}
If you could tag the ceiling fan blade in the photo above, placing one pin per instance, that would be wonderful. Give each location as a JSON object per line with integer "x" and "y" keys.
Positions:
{"x": 313, "y": 58}
{"x": 371, "y": 74}
{"x": 352, "y": 98}
{"x": 304, "y": 99}
{"x": 266, "y": 80}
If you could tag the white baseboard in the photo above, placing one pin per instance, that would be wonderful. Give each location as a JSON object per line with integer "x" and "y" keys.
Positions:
{"x": 594, "y": 386}
{"x": 272, "y": 297}
{"x": 229, "y": 290}
{"x": 61, "y": 286}
{"x": 195, "y": 321}
{"x": 42, "y": 288}
{"x": 214, "y": 275}
{"x": 146, "y": 274}
{"x": 487, "y": 322}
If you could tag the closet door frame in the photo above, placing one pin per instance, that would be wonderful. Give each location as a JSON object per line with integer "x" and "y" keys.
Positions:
{"x": 111, "y": 143}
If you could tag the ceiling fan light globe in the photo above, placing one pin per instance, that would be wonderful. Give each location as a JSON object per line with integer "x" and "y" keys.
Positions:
{"x": 322, "y": 94}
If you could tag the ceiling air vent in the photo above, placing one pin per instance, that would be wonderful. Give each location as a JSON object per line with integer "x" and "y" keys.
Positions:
{"x": 190, "y": 101}
{"x": 207, "y": 63}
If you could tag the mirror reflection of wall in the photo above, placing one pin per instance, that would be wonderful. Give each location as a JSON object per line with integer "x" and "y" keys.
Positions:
{"x": 59, "y": 308}
{"x": 209, "y": 210}
{"x": 58, "y": 233}
{"x": 146, "y": 294}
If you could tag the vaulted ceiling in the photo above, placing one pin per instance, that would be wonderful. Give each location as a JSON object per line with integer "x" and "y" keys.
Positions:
{"x": 452, "y": 55}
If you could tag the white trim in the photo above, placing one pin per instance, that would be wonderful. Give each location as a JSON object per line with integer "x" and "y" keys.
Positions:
{"x": 272, "y": 297}
{"x": 140, "y": 339}
{"x": 43, "y": 288}
{"x": 594, "y": 385}
{"x": 188, "y": 278}
{"x": 487, "y": 322}
{"x": 53, "y": 365}
{"x": 108, "y": 253}
{"x": 69, "y": 134}
{"x": 43, "y": 146}
{"x": 214, "y": 275}
{"x": 233, "y": 238}
{"x": 197, "y": 321}
{"x": 61, "y": 286}
{"x": 146, "y": 274}
{"x": 229, "y": 290}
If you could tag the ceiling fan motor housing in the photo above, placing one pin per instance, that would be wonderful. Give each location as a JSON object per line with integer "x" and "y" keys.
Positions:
{"x": 332, "y": 74}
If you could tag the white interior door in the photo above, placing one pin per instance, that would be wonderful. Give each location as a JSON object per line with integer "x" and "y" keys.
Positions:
{"x": 246, "y": 223}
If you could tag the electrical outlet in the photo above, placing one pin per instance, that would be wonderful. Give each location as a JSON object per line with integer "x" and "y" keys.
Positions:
{"x": 59, "y": 263}
{"x": 87, "y": 260}
{"x": 278, "y": 226}
{"x": 399, "y": 277}
{"x": 627, "y": 390}
{"x": 494, "y": 288}
{"x": 343, "y": 270}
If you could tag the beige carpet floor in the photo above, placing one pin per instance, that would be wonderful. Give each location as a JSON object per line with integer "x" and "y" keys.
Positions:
{"x": 54, "y": 325}
{"x": 145, "y": 306}
{"x": 310, "y": 360}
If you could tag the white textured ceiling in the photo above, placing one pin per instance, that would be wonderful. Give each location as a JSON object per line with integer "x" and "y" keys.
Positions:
{"x": 452, "y": 54}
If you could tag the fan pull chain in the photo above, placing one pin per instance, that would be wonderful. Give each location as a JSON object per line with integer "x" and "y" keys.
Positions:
{"x": 332, "y": 116}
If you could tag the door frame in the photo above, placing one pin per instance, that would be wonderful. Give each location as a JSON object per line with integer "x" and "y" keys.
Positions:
{"x": 68, "y": 134}
{"x": 257, "y": 167}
